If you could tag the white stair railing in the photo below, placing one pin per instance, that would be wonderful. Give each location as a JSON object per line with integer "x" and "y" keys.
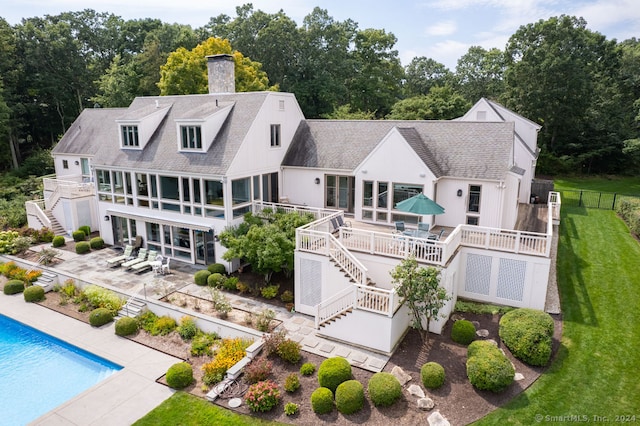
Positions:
{"x": 334, "y": 306}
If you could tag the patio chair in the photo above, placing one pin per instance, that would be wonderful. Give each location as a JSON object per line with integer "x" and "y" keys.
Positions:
{"x": 116, "y": 261}
{"x": 142, "y": 256}
{"x": 146, "y": 264}
{"x": 164, "y": 268}
{"x": 400, "y": 226}
{"x": 342, "y": 223}
{"x": 442, "y": 232}
{"x": 423, "y": 226}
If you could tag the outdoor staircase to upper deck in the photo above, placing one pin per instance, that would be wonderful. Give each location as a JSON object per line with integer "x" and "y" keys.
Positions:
{"x": 56, "y": 227}
{"x": 132, "y": 308}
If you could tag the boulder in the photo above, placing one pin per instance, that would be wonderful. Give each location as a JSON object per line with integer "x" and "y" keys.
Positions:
{"x": 483, "y": 332}
{"x": 416, "y": 390}
{"x": 518, "y": 376}
{"x": 426, "y": 404}
{"x": 437, "y": 419}
{"x": 399, "y": 374}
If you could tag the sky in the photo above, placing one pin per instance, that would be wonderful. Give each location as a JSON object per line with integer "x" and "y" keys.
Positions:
{"x": 439, "y": 29}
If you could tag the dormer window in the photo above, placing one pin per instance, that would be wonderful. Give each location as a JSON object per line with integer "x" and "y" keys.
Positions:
{"x": 130, "y": 136}
{"x": 191, "y": 138}
{"x": 275, "y": 135}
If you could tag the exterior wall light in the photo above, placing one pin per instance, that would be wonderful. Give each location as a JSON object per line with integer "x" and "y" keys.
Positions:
{"x": 106, "y": 218}
{"x": 459, "y": 192}
{"x": 317, "y": 181}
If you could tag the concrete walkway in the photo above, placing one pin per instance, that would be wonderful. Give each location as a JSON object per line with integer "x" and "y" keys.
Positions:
{"x": 123, "y": 397}
{"x": 92, "y": 268}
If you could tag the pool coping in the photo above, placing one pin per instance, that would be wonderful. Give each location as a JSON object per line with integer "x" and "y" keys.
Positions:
{"x": 120, "y": 399}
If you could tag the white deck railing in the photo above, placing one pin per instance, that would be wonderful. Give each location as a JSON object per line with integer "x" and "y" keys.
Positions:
{"x": 58, "y": 188}
{"x": 36, "y": 208}
{"x": 334, "y": 306}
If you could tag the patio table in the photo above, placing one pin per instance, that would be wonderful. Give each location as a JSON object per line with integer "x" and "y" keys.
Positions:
{"x": 417, "y": 233}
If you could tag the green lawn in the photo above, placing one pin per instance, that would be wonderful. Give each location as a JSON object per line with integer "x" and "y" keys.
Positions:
{"x": 620, "y": 184}
{"x": 183, "y": 409}
{"x": 596, "y": 370}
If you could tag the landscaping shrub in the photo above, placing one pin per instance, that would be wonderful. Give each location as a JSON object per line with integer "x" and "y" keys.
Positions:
{"x": 33, "y": 293}
{"x": 83, "y": 247}
{"x": 201, "y": 344}
{"x": 262, "y": 396}
{"x": 528, "y": 335}
{"x": 322, "y": 401}
{"x": 289, "y": 351}
{"x": 216, "y": 268}
{"x": 44, "y": 235}
{"x": 287, "y": 296}
{"x": 100, "y": 316}
{"x": 200, "y": 277}
{"x": 350, "y": 397}
{"x": 58, "y": 241}
{"x": 126, "y": 326}
{"x": 96, "y": 243}
{"x": 463, "y": 332}
{"x": 147, "y": 319}
{"x": 86, "y": 229}
{"x": 100, "y": 297}
{"x": 263, "y": 322}
{"x": 384, "y": 389}
{"x": 180, "y": 375}
{"x": 307, "y": 369}
{"x": 258, "y": 370}
{"x": 78, "y": 236}
{"x": 230, "y": 283}
{"x": 432, "y": 375}
{"x": 187, "y": 328}
{"x": 292, "y": 383}
{"x": 243, "y": 288}
{"x": 230, "y": 352}
{"x": 333, "y": 371}
{"x": 215, "y": 280}
{"x": 291, "y": 408}
{"x": 487, "y": 367}
{"x": 163, "y": 326}
{"x": 13, "y": 287}
{"x": 272, "y": 341}
{"x": 270, "y": 291}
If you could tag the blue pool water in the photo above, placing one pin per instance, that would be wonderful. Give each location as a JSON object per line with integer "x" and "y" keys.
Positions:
{"x": 39, "y": 372}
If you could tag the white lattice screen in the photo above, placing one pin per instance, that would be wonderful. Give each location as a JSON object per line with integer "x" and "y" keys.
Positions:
{"x": 511, "y": 279}
{"x": 311, "y": 282}
{"x": 478, "y": 274}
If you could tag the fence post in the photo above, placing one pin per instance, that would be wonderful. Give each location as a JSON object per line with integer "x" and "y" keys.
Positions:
{"x": 613, "y": 205}
{"x": 580, "y": 200}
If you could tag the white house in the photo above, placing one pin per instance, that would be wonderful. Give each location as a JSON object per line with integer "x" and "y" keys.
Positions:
{"x": 177, "y": 170}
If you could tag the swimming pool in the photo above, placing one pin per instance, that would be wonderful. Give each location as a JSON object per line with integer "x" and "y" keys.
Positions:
{"x": 39, "y": 372}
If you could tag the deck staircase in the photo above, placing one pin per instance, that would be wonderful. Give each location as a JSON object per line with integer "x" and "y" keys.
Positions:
{"x": 132, "y": 308}
{"x": 56, "y": 227}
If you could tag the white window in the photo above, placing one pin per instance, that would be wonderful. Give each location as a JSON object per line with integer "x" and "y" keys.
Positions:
{"x": 191, "y": 137}
{"x": 65, "y": 164}
{"x": 130, "y": 136}
{"x": 275, "y": 135}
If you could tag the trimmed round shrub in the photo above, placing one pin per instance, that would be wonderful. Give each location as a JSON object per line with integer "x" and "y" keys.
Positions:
{"x": 217, "y": 268}
{"x": 82, "y": 247}
{"x": 96, "y": 243}
{"x": 78, "y": 236}
{"x": 334, "y": 371}
{"x": 13, "y": 287}
{"x": 58, "y": 241}
{"x": 350, "y": 397}
{"x": 100, "y": 316}
{"x": 86, "y": 229}
{"x": 215, "y": 280}
{"x": 432, "y": 375}
{"x": 33, "y": 293}
{"x": 322, "y": 401}
{"x": 487, "y": 367}
{"x": 528, "y": 335}
{"x": 384, "y": 389}
{"x": 126, "y": 326}
{"x": 463, "y": 332}
{"x": 179, "y": 375}
{"x": 307, "y": 369}
{"x": 201, "y": 277}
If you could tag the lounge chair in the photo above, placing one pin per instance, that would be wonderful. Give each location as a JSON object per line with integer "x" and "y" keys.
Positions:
{"x": 147, "y": 264}
{"x": 337, "y": 223}
{"x": 142, "y": 256}
{"x": 116, "y": 261}
{"x": 400, "y": 226}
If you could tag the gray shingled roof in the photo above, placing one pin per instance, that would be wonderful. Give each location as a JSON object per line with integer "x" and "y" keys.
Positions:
{"x": 476, "y": 150}
{"x": 95, "y": 133}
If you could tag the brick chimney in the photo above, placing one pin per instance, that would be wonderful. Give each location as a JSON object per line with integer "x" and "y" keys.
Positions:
{"x": 221, "y": 73}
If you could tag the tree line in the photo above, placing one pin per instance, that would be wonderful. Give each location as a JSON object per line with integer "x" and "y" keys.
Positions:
{"x": 581, "y": 87}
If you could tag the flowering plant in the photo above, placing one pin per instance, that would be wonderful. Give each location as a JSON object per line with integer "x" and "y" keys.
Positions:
{"x": 263, "y": 396}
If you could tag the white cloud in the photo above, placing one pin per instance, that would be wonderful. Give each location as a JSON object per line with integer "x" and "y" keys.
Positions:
{"x": 442, "y": 28}
{"x": 447, "y": 52}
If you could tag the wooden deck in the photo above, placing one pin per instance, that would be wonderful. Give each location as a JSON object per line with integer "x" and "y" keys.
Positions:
{"x": 532, "y": 218}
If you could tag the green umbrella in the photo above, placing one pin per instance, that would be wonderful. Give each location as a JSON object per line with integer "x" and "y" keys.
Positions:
{"x": 420, "y": 204}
